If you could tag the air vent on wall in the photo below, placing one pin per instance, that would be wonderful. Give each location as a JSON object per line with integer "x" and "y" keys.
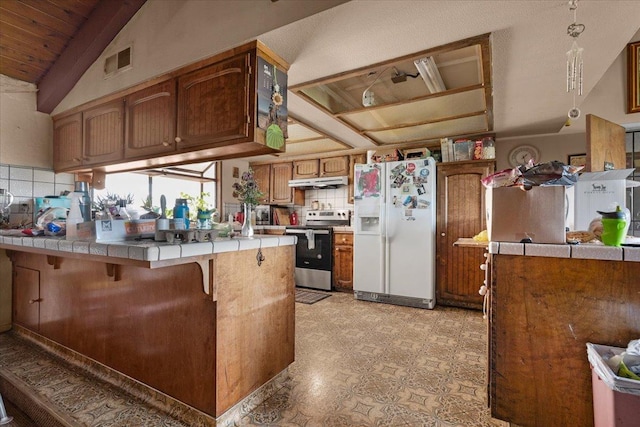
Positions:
{"x": 117, "y": 62}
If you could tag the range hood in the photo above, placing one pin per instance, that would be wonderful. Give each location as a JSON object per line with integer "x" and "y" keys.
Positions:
{"x": 319, "y": 183}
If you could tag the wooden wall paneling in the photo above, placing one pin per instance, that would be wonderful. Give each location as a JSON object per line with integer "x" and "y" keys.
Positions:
{"x": 605, "y": 143}
{"x": 256, "y": 335}
{"x": 141, "y": 325}
{"x": 543, "y": 312}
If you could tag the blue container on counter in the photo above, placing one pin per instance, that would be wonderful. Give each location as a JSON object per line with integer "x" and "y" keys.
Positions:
{"x": 181, "y": 211}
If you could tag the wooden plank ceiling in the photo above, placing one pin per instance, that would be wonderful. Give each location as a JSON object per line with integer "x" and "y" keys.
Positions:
{"x": 51, "y": 43}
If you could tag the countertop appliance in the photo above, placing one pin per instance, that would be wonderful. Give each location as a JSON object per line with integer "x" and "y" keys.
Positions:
{"x": 394, "y": 232}
{"x": 314, "y": 249}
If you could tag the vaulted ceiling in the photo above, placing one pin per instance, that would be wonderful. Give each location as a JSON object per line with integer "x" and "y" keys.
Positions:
{"x": 52, "y": 42}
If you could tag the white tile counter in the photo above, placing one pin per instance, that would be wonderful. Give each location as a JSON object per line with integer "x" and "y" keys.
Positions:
{"x": 581, "y": 251}
{"x": 146, "y": 250}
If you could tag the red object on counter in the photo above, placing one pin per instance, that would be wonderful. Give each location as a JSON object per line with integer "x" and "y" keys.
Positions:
{"x": 293, "y": 218}
{"x": 240, "y": 217}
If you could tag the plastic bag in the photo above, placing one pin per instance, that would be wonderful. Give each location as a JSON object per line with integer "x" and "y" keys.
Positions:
{"x": 598, "y": 357}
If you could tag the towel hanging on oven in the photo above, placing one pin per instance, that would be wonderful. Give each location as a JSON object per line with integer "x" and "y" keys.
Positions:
{"x": 311, "y": 241}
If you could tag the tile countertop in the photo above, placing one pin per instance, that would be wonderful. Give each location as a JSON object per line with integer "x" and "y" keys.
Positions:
{"x": 581, "y": 251}
{"x": 145, "y": 250}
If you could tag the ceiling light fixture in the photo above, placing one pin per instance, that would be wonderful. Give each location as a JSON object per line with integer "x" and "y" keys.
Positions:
{"x": 574, "y": 61}
{"x": 429, "y": 72}
{"x": 368, "y": 98}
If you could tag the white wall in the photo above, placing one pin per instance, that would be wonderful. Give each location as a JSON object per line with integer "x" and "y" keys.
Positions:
{"x": 552, "y": 147}
{"x": 168, "y": 34}
{"x": 26, "y": 136}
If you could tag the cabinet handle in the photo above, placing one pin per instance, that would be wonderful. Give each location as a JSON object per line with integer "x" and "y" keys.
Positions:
{"x": 166, "y": 143}
{"x": 31, "y": 301}
{"x": 442, "y": 234}
{"x": 178, "y": 139}
{"x": 75, "y": 159}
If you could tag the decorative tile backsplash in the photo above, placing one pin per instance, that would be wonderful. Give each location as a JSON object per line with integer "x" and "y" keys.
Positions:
{"x": 25, "y": 183}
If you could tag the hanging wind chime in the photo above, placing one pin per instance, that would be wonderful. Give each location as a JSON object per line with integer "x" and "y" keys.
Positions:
{"x": 574, "y": 61}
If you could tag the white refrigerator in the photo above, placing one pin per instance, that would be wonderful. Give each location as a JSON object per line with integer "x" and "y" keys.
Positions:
{"x": 394, "y": 232}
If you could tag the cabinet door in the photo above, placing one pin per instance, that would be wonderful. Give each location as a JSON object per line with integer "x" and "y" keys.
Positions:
{"x": 343, "y": 262}
{"x": 67, "y": 142}
{"x": 262, "y": 175}
{"x": 213, "y": 103}
{"x": 150, "y": 128}
{"x": 103, "y": 133}
{"x": 460, "y": 213}
{"x": 281, "y": 193}
{"x": 354, "y": 159}
{"x": 26, "y": 297}
{"x": 334, "y": 166}
{"x": 305, "y": 169}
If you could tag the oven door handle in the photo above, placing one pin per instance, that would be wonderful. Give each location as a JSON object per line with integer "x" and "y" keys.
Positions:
{"x": 304, "y": 231}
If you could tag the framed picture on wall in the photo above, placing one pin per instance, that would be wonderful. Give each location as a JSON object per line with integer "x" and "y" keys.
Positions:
{"x": 633, "y": 77}
{"x": 577, "y": 159}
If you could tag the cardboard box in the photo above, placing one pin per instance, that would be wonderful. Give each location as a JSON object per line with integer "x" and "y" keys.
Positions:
{"x": 598, "y": 191}
{"x": 514, "y": 214}
{"x": 115, "y": 230}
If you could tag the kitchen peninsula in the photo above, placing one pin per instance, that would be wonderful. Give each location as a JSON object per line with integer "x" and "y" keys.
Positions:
{"x": 205, "y": 323}
{"x": 547, "y": 302}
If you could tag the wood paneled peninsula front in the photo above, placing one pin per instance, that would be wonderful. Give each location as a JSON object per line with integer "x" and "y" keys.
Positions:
{"x": 205, "y": 323}
{"x": 547, "y": 302}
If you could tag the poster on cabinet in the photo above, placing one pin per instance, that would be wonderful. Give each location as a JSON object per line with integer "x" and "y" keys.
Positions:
{"x": 272, "y": 104}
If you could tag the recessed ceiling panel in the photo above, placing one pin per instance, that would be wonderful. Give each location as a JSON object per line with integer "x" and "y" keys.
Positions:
{"x": 461, "y": 126}
{"x": 310, "y": 147}
{"x": 418, "y": 112}
{"x": 440, "y": 92}
{"x": 298, "y": 131}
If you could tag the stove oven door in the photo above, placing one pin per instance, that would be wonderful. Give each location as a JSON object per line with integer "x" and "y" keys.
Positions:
{"x": 313, "y": 258}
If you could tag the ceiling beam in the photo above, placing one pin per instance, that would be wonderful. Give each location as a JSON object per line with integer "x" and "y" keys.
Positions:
{"x": 104, "y": 23}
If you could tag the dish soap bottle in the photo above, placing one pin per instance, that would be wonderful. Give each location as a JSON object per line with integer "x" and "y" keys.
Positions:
{"x": 74, "y": 217}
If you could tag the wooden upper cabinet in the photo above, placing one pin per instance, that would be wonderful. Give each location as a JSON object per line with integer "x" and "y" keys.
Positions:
{"x": 150, "y": 121}
{"x": 303, "y": 169}
{"x": 262, "y": 176}
{"x": 213, "y": 103}
{"x": 334, "y": 166}
{"x": 281, "y": 193}
{"x": 67, "y": 142}
{"x": 103, "y": 133}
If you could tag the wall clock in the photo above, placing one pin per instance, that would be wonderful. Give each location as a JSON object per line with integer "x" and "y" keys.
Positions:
{"x": 521, "y": 154}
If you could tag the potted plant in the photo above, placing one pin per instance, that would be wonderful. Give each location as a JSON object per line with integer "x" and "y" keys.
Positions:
{"x": 248, "y": 193}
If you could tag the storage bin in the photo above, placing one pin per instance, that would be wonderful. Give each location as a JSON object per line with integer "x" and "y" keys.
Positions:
{"x": 615, "y": 399}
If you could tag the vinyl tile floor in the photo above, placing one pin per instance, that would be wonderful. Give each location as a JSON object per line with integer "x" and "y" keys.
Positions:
{"x": 367, "y": 364}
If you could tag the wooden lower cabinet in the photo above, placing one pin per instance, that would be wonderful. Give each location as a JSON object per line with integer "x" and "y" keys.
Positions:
{"x": 343, "y": 261}
{"x": 26, "y": 298}
{"x": 460, "y": 213}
